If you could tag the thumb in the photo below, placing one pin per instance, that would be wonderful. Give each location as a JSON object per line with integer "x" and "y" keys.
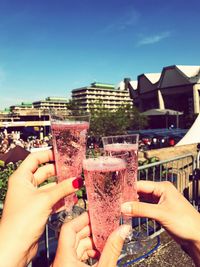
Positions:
{"x": 113, "y": 246}
{"x": 141, "y": 209}
{"x": 63, "y": 189}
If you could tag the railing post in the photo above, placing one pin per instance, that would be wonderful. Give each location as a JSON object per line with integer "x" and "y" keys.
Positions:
{"x": 47, "y": 244}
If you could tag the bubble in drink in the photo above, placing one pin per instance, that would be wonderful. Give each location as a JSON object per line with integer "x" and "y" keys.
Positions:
{"x": 69, "y": 144}
{"x": 104, "y": 180}
{"x": 130, "y": 152}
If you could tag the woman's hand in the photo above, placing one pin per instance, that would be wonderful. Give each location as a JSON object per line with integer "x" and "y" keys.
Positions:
{"x": 75, "y": 245}
{"x": 27, "y": 208}
{"x": 172, "y": 210}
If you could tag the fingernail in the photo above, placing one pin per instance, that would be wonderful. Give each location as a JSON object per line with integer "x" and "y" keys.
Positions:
{"x": 77, "y": 183}
{"x": 126, "y": 208}
{"x": 124, "y": 231}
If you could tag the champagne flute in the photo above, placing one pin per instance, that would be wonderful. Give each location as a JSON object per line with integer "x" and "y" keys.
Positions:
{"x": 126, "y": 147}
{"x": 69, "y": 134}
{"x": 104, "y": 180}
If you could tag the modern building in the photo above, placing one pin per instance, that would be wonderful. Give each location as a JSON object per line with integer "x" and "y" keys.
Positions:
{"x": 177, "y": 87}
{"x": 32, "y": 117}
{"x": 24, "y": 106}
{"x": 111, "y": 97}
{"x": 59, "y": 103}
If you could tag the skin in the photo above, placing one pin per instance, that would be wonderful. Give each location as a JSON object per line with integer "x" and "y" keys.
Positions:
{"x": 78, "y": 245}
{"x": 26, "y": 211}
{"x": 172, "y": 211}
{"x": 27, "y": 208}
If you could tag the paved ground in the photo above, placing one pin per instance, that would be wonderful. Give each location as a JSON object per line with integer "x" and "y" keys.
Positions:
{"x": 168, "y": 254}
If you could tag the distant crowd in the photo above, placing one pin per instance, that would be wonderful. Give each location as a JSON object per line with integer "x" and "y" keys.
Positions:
{"x": 11, "y": 140}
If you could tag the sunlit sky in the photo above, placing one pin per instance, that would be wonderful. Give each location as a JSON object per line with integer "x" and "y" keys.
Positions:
{"x": 49, "y": 47}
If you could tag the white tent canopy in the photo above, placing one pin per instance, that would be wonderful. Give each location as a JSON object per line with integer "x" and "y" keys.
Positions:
{"x": 193, "y": 134}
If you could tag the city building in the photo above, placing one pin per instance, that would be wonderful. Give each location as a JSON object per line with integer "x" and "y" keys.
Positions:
{"x": 59, "y": 103}
{"x": 22, "y": 106}
{"x": 177, "y": 87}
{"x": 111, "y": 97}
{"x": 32, "y": 118}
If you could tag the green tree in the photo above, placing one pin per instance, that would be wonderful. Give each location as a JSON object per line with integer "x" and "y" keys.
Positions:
{"x": 107, "y": 122}
{"x": 74, "y": 108}
{"x": 5, "y": 173}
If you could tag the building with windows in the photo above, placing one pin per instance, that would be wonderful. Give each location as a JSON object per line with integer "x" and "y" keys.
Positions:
{"x": 26, "y": 117}
{"x": 36, "y": 110}
{"x": 59, "y": 103}
{"x": 111, "y": 97}
{"x": 23, "y": 106}
{"x": 177, "y": 87}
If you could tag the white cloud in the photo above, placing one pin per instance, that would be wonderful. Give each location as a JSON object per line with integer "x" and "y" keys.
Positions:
{"x": 123, "y": 21}
{"x": 154, "y": 38}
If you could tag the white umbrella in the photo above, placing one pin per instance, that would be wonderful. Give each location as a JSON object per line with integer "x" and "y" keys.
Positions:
{"x": 161, "y": 112}
{"x": 164, "y": 112}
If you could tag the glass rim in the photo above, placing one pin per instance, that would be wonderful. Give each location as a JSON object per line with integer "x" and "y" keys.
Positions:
{"x": 121, "y": 136}
{"x": 62, "y": 117}
{"x": 70, "y": 116}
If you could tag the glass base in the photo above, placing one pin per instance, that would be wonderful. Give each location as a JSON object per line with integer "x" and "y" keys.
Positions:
{"x": 137, "y": 243}
{"x": 91, "y": 261}
{"x": 56, "y": 220}
{"x": 66, "y": 216}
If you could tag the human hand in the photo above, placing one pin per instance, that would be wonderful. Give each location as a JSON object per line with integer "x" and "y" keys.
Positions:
{"x": 75, "y": 245}
{"x": 171, "y": 209}
{"x": 27, "y": 208}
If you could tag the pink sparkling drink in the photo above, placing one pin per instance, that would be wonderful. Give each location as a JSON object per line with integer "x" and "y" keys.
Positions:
{"x": 129, "y": 152}
{"x": 69, "y": 145}
{"x": 104, "y": 180}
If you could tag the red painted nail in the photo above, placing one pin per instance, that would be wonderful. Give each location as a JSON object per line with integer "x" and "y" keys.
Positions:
{"x": 77, "y": 183}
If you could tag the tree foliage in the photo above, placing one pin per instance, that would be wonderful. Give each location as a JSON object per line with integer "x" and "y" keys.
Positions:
{"x": 74, "y": 108}
{"x": 5, "y": 173}
{"x": 107, "y": 122}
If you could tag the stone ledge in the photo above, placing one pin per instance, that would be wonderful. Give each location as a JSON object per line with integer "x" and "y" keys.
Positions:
{"x": 169, "y": 152}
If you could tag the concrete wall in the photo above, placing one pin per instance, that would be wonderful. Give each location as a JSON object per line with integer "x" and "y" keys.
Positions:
{"x": 169, "y": 152}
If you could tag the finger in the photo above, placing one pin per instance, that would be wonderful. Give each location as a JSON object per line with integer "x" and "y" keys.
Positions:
{"x": 141, "y": 209}
{"x": 91, "y": 253}
{"x": 44, "y": 172}
{"x": 46, "y": 186}
{"x": 84, "y": 257}
{"x": 146, "y": 186}
{"x": 78, "y": 224}
{"x": 34, "y": 159}
{"x": 83, "y": 233}
{"x": 66, "y": 246}
{"x": 83, "y": 246}
{"x": 72, "y": 229}
{"x": 150, "y": 187}
{"x": 62, "y": 189}
{"x": 113, "y": 247}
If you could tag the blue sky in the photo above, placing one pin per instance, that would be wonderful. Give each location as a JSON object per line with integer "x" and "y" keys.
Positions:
{"x": 49, "y": 47}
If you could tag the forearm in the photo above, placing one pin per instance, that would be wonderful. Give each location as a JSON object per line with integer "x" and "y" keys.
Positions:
{"x": 11, "y": 254}
{"x": 10, "y": 259}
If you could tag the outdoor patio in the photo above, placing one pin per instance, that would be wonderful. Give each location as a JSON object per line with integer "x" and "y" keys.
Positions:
{"x": 169, "y": 253}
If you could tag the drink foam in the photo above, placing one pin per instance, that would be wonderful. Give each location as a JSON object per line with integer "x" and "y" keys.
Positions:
{"x": 121, "y": 147}
{"x": 104, "y": 164}
{"x": 61, "y": 125}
